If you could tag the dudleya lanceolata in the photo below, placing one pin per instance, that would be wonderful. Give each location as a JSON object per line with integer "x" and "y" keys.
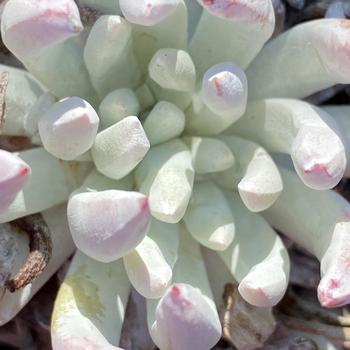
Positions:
{"x": 157, "y": 123}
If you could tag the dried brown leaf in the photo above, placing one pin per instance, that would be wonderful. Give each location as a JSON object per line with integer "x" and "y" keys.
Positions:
{"x": 244, "y": 326}
{"x": 40, "y": 250}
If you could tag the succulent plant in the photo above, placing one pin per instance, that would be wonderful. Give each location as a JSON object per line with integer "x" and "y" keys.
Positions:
{"x": 167, "y": 125}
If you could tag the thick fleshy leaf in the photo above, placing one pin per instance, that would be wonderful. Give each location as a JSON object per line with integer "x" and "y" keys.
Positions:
{"x": 64, "y": 178}
{"x": 308, "y": 134}
{"x": 173, "y": 69}
{"x": 262, "y": 273}
{"x": 168, "y": 163}
{"x": 96, "y": 182}
{"x": 145, "y": 97}
{"x": 90, "y": 306}
{"x": 194, "y": 14}
{"x": 243, "y": 25}
{"x": 172, "y": 76}
{"x": 14, "y": 174}
{"x": 224, "y": 89}
{"x": 116, "y": 106}
{"x": 185, "y": 318}
{"x": 318, "y": 221}
{"x": 147, "y": 13}
{"x": 36, "y": 112}
{"x": 109, "y": 224}
{"x": 307, "y": 58}
{"x": 68, "y": 129}
{"x": 29, "y": 26}
{"x": 221, "y": 101}
{"x": 209, "y": 155}
{"x": 208, "y": 217}
{"x": 165, "y": 122}
{"x": 21, "y": 94}
{"x": 62, "y": 70}
{"x": 245, "y": 326}
{"x": 147, "y": 269}
{"x": 341, "y": 114}
{"x": 153, "y": 26}
{"x": 119, "y": 148}
{"x": 108, "y": 51}
{"x": 254, "y": 174}
{"x": 149, "y": 266}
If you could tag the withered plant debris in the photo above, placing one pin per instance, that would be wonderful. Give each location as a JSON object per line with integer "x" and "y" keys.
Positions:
{"x": 40, "y": 250}
{"x": 4, "y": 78}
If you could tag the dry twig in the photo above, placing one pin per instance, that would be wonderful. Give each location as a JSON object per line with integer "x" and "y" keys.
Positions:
{"x": 4, "y": 78}
{"x": 40, "y": 250}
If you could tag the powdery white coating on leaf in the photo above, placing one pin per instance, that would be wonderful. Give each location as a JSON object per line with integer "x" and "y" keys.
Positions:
{"x": 22, "y": 93}
{"x": 341, "y": 114}
{"x": 28, "y": 26}
{"x": 119, "y": 148}
{"x": 323, "y": 231}
{"x": 173, "y": 69}
{"x": 14, "y": 174}
{"x": 262, "y": 273}
{"x": 190, "y": 270}
{"x": 96, "y": 182}
{"x": 165, "y": 122}
{"x": 148, "y": 270}
{"x": 167, "y": 238}
{"x": 307, "y": 133}
{"x": 64, "y": 178}
{"x": 149, "y": 266}
{"x": 208, "y": 217}
{"x": 90, "y": 306}
{"x": 209, "y": 155}
{"x": 113, "y": 34}
{"x": 255, "y": 174}
{"x": 333, "y": 290}
{"x": 109, "y": 224}
{"x": 166, "y": 176}
{"x": 108, "y": 50}
{"x": 117, "y": 105}
{"x": 319, "y": 157}
{"x": 239, "y": 10}
{"x": 31, "y": 120}
{"x": 145, "y": 97}
{"x": 221, "y": 101}
{"x": 117, "y": 53}
{"x": 68, "y": 129}
{"x": 225, "y": 89}
{"x": 332, "y": 38}
{"x": 245, "y": 32}
{"x": 185, "y": 320}
{"x": 62, "y": 70}
{"x": 303, "y": 60}
{"x": 149, "y": 39}
{"x": 79, "y": 343}
{"x": 147, "y": 12}
{"x": 242, "y": 322}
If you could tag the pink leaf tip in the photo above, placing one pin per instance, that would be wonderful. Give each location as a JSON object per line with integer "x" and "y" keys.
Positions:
{"x": 14, "y": 174}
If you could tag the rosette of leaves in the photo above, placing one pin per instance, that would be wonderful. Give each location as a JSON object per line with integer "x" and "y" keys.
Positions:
{"x": 159, "y": 124}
